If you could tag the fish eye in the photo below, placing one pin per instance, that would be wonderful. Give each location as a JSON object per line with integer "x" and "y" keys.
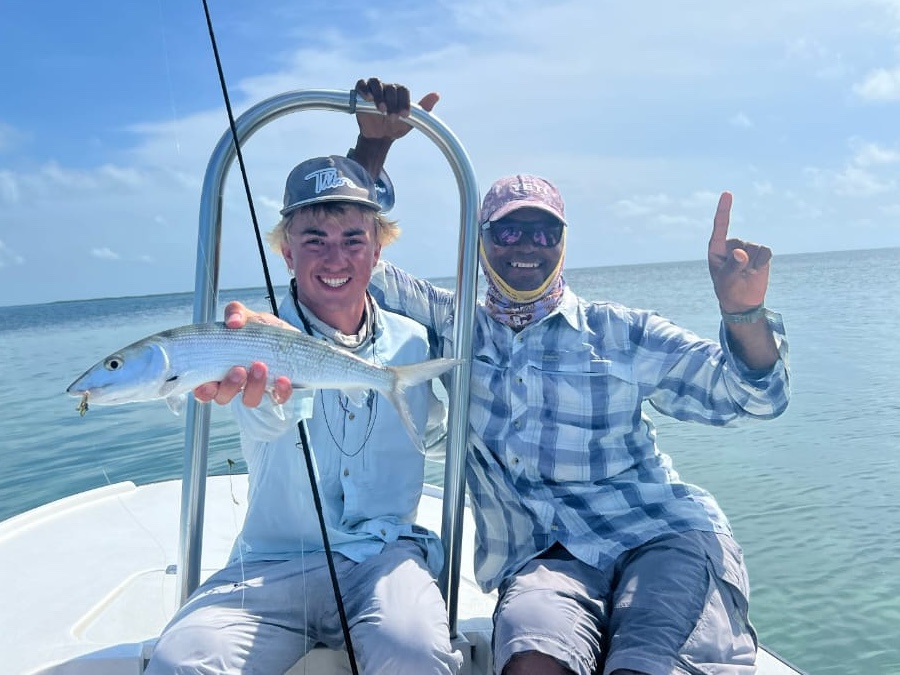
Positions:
{"x": 114, "y": 363}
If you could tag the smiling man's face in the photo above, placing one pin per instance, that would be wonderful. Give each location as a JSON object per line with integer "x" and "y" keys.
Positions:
{"x": 332, "y": 254}
{"x": 524, "y": 247}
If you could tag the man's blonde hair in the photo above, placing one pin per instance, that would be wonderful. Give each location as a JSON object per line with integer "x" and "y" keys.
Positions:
{"x": 386, "y": 230}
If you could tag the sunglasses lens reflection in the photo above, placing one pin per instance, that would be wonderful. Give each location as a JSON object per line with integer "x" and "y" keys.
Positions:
{"x": 543, "y": 234}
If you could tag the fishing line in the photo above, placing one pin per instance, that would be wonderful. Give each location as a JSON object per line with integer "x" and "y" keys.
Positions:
{"x": 172, "y": 99}
{"x": 238, "y": 531}
{"x": 371, "y": 400}
{"x": 301, "y": 424}
{"x": 165, "y": 45}
{"x": 159, "y": 545}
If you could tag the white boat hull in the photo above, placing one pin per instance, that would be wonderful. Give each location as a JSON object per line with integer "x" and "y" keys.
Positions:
{"x": 94, "y": 580}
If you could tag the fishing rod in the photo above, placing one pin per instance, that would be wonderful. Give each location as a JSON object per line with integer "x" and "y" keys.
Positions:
{"x": 301, "y": 424}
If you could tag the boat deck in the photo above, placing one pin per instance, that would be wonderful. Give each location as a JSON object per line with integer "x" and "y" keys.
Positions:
{"x": 95, "y": 580}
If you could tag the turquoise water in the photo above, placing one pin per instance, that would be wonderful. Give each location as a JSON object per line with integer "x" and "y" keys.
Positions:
{"x": 813, "y": 495}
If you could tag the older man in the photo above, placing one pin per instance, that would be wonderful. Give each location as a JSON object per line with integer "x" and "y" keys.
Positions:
{"x": 605, "y": 560}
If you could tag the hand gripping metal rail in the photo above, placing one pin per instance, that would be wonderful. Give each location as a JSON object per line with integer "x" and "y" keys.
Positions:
{"x": 205, "y": 304}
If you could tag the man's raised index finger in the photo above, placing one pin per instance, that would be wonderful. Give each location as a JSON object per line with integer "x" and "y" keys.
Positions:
{"x": 721, "y": 221}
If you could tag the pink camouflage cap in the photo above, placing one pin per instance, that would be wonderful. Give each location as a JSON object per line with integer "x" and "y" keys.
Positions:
{"x": 520, "y": 191}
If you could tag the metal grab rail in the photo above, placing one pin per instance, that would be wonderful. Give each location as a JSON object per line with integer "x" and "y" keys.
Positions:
{"x": 206, "y": 282}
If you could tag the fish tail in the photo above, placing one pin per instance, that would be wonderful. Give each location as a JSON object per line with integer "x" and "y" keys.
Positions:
{"x": 410, "y": 376}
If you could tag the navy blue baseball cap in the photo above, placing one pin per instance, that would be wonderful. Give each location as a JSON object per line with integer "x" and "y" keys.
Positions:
{"x": 329, "y": 179}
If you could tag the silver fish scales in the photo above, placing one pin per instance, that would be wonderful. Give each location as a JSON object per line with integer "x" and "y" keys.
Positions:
{"x": 170, "y": 364}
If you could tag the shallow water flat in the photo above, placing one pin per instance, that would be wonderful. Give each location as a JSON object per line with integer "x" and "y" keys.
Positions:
{"x": 812, "y": 496}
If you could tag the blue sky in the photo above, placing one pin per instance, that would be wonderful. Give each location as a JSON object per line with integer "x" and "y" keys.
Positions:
{"x": 641, "y": 112}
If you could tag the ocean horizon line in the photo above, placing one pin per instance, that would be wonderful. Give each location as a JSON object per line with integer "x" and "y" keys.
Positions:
{"x": 239, "y": 289}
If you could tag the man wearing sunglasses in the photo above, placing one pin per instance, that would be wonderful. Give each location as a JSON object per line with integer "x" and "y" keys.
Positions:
{"x": 522, "y": 235}
{"x": 604, "y": 560}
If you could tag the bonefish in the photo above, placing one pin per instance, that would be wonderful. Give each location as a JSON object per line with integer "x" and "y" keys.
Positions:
{"x": 170, "y": 364}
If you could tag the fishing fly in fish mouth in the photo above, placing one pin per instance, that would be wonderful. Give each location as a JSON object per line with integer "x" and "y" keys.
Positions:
{"x": 110, "y": 363}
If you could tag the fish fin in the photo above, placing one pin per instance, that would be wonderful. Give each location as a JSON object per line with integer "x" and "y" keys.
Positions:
{"x": 409, "y": 376}
{"x": 277, "y": 408}
{"x": 398, "y": 399}
{"x": 176, "y": 403}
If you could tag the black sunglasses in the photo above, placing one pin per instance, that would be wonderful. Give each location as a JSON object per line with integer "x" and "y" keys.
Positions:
{"x": 508, "y": 232}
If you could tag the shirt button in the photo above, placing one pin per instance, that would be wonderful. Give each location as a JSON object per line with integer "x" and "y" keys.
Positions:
{"x": 351, "y": 417}
{"x": 515, "y": 460}
{"x": 346, "y": 472}
{"x": 518, "y": 380}
{"x": 517, "y": 424}
{"x": 383, "y": 532}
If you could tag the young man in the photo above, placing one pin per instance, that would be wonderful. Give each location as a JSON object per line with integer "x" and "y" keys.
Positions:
{"x": 274, "y": 600}
{"x": 605, "y": 561}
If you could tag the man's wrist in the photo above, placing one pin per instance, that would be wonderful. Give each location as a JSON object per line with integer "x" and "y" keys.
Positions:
{"x": 375, "y": 141}
{"x": 371, "y": 153}
{"x": 750, "y": 316}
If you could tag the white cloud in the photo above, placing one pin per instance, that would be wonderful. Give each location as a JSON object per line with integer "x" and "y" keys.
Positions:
{"x": 123, "y": 176}
{"x": 880, "y": 85}
{"x": 814, "y": 54}
{"x": 704, "y": 200}
{"x": 741, "y": 120}
{"x": 9, "y": 257}
{"x": 105, "y": 253}
{"x": 60, "y": 176}
{"x": 9, "y": 187}
{"x": 629, "y": 208}
{"x": 640, "y": 205}
{"x": 872, "y": 154}
{"x": 670, "y": 220}
{"x": 856, "y": 182}
{"x": 10, "y": 137}
{"x": 804, "y": 47}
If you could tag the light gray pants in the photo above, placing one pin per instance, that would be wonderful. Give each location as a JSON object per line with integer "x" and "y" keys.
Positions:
{"x": 262, "y": 618}
{"x": 676, "y": 605}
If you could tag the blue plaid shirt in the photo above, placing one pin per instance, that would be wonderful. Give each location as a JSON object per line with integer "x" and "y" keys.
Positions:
{"x": 560, "y": 447}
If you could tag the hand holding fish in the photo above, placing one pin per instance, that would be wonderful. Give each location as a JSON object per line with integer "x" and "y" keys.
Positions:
{"x": 739, "y": 269}
{"x": 252, "y": 382}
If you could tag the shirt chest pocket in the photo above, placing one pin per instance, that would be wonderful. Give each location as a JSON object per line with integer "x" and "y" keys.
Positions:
{"x": 582, "y": 389}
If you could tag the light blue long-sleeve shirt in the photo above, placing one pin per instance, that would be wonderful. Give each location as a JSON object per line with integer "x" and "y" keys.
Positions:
{"x": 370, "y": 473}
{"x": 560, "y": 447}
